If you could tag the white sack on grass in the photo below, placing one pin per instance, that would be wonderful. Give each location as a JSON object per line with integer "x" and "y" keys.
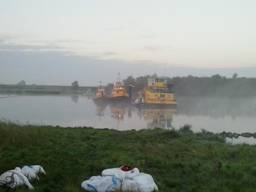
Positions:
{"x": 140, "y": 183}
{"x": 30, "y": 173}
{"x": 119, "y": 173}
{"x": 38, "y": 169}
{"x": 102, "y": 184}
{"x": 132, "y": 173}
{"x": 14, "y": 178}
{"x": 130, "y": 185}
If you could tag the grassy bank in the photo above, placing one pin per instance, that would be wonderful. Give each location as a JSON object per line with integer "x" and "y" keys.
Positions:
{"x": 178, "y": 160}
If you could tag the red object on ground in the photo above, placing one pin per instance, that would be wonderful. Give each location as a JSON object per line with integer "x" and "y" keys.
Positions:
{"x": 126, "y": 168}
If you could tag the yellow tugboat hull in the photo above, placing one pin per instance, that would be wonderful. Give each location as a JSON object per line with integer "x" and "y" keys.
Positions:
{"x": 159, "y": 98}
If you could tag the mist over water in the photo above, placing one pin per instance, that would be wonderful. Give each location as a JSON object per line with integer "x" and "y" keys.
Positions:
{"x": 215, "y": 114}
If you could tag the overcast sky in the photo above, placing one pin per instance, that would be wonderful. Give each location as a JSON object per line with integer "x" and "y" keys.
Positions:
{"x": 57, "y": 41}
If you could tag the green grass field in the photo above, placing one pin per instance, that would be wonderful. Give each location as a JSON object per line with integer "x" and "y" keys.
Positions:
{"x": 178, "y": 160}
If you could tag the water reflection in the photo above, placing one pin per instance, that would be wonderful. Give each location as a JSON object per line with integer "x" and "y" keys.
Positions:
{"x": 153, "y": 117}
{"x": 100, "y": 110}
{"x": 217, "y": 107}
{"x": 118, "y": 113}
{"x": 216, "y": 115}
{"x": 158, "y": 118}
{"x": 75, "y": 98}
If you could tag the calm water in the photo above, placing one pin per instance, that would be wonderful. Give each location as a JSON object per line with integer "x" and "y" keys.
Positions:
{"x": 212, "y": 114}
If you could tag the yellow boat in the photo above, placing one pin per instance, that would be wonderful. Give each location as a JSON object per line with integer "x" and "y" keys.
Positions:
{"x": 101, "y": 96}
{"x": 100, "y": 92}
{"x": 158, "y": 93}
{"x": 119, "y": 92}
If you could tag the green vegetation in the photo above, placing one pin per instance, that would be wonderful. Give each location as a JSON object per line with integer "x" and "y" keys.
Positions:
{"x": 178, "y": 160}
{"x": 216, "y": 85}
{"x": 189, "y": 86}
{"x": 23, "y": 88}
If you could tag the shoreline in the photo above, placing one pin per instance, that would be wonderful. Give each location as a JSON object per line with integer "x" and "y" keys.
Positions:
{"x": 177, "y": 159}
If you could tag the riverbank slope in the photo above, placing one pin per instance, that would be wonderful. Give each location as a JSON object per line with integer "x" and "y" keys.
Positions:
{"x": 178, "y": 160}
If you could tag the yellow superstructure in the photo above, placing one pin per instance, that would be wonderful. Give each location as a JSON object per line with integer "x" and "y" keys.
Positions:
{"x": 157, "y": 92}
{"x": 119, "y": 91}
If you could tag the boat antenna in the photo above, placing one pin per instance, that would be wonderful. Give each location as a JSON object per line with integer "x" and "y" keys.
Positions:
{"x": 118, "y": 77}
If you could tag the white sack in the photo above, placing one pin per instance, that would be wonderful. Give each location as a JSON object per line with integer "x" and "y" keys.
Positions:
{"x": 132, "y": 173}
{"x": 14, "y": 178}
{"x": 30, "y": 173}
{"x": 140, "y": 183}
{"x": 102, "y": 184}
{"x": 130, "y": 185}
{"x": 119, "y": 173}
{"x": 38, "y": 169}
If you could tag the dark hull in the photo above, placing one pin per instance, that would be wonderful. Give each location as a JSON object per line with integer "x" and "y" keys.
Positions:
{"x": 119, "y": 99}
{"x": 102, "y": 100}
{"x": 155, "y": 106}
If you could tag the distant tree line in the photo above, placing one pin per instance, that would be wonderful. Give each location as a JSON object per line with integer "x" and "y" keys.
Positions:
{"x": 215, "y": 85}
